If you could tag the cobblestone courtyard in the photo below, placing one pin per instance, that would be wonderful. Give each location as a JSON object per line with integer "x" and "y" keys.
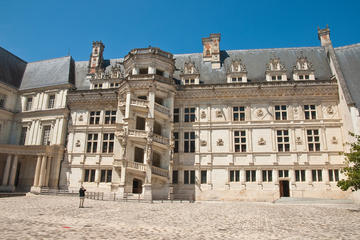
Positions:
{"x": 51, "y": 217}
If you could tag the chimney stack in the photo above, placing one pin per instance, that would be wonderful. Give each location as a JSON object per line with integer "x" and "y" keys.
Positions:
{"x": 324, "y": 36}
{"x": 211, "y": 50}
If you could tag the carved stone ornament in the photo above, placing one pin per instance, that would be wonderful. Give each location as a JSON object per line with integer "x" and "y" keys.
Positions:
{"x": 203, "y": 115}
{"x": 220, "y": 142}
{"x": 261, "y": 141}
{"x": 334, "y": 140}
{"x": 218, "y": 114}
{"x": 259, "y": 113}
{"x": 203, "y": 143}
{"x": 77, "y": 144}
{"x": 298, "y": 140}
{"x": 330, "y": 110}
{"x": 81, "y": 118}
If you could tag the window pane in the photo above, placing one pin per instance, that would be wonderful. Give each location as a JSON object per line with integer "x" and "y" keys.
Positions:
{"x": 192, "y": 177}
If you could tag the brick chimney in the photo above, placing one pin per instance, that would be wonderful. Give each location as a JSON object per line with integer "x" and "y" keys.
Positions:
{"x": 324, "y": 36}
{"x": 211, "y": 50}
{"x": 96, "y": 57}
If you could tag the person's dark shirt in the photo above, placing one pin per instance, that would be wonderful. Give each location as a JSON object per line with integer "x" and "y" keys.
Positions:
{"x": 82, "y": 192}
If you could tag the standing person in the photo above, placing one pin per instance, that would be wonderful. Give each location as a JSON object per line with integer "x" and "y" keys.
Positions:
{"x": 82, "y": 191}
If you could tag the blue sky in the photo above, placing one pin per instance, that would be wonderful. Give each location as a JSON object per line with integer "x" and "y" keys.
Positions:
{"x": 36, "y": 30}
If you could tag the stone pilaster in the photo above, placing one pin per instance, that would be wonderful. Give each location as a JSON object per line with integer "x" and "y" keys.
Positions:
{"x": 6, "y": 171}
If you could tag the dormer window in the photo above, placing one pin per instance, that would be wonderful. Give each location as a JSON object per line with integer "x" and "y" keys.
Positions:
{"x": 275, "y": 70}
{"x": 190, "y": 75}
{"x": 303, "y": 70}
{"x": 143, "y": 71}
{"x": 159, "y": 72}
{"x": 98, "y": 86}
{"x": 236, "y": 72}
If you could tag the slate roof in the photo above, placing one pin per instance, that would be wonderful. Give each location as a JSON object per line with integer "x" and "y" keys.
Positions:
{"x": 349, "y": 61}
{"x": 45, "y": 73}
{"x": 255, "y": 62}
{"x": 11, "y": 68}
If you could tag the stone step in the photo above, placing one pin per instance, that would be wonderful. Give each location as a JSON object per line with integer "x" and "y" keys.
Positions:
{"x": 292, "y": 200}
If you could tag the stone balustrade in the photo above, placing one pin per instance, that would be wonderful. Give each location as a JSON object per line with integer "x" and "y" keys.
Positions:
{"x": 160, "y": 171}
{"x": 137, "y": 133}
{"x": 161, "y": 139}
{"x": 162, "y": 109}
{"x": 139, "y": 102}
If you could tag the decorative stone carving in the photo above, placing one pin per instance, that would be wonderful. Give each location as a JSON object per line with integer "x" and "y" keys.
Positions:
{"x": 203, "y": 115}
{"x": 219, "y": 114}
{"x": 302, "y": 64}
{"x": 334, "y": 140}
{"x": 298, "y": 140}
{"x": 330, "y": 110}
{"x": 189, "y": 68}
{"x": 220, "y": 142}
{"x": 203, "y": 143}
{"x": 275, "y": 65}
{"x": 77, "y": 144}
{"x": 261, "y": 141}
{"x": 81, "y": 118}
{"x": 259, "y": 113}
{"x": 237, "y": 66}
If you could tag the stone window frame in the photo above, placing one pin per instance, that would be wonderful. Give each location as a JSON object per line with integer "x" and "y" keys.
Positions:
{"x": 175, "y": 180}
{"x": 300, "y": 175}
{"x": 280, "y": 112}
{"x": 282, "y": 144}
{"x": 203, "y": 177}
{"x": 234, "y": 175}
{"x": 334, "y": 175}
{"x": 89, "y": 175}
{"x": 51, "y": 101}
{"x": 46, "y": 134}
{"x": 92, "y": 142}
{"x": 176, "y": 115}
{"x": 28, "y": 103}
{"x": 250, "y": 175}
{"x": 189, "y": 114}
{"x": 310, "y": 112}
{"x": 267, "y": 175}
{"x": 283, "y": 173}
{"x": 241, "y": 144}
{"x": 23, "y": 134}
{"x": 189, "y": 141}
{"x": 94, "y": 117}
{"x": 316, "y": 175}
{"x": 313, "y": 140}
{"x": 189, "y": 177}
{"x": 108, "y": 143}
{"x": 176, "y": 142}
{"x": 105, "y": 175}
{"x": 109, "y": 117}
{"x": 241, "y": 113}
{"x": 97, "y": 86}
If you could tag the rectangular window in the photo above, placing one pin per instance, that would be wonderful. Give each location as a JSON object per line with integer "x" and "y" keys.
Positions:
{"x": 236, "y": 79}
{"x": 283, "y": 173}
{"x": 23, "y": 135}
{"x": 28, "y": 104}
{"x": 310, "y": 111}
{"x": 176, "y": 115}
{"x": 108, "y": 143}
{"x": 189, "y": 114}
{"x": 106, "y": 175}
{"x": 316, "y": 175}
{"x": 98, "y": 86}
{"x": 239, "y": 113}
{"x": 159, "y": 72}
{"x": 92, "y": 143}
{"x": 51, "y": 102}
{"x": 46, "y": 135}
{"x": 89, "y": 175}
{"x": 267, "y": 175}
{"x": 283, "y": 140}
{"x": 234, "y": 175}
{"x": 2, "y": 100}
{"x": 175, "y": 177}
{"x": 240, "y": 141}
{"x": 94, "y": 117}
{"x": 189, "y": 142}
{"x": 143, "y": 71}
{"x": 333, "y": 175}
{"x": 203, "y": 176}
{"x": 276, "y": 78}
{"x": 300, "y": 175}
{"x": 189, "y": 177}
{"x": 176, "y": 142}
{"x": 313, "y": 140}
{"x": 110, "y": 117}
{"x": 280, "y": 112}
{"x": 251, "y": 175}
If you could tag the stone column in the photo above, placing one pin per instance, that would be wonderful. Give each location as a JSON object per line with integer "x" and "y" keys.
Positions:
{"x": 42, "y": 171}
{"x": 6, "y": 171}
{"x": 37, "y": 172}
{"x": 48, "y": 169}
{"x": 13, "y": 172}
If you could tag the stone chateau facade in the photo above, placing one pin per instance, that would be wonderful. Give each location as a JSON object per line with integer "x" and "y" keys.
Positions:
{"x": 216, "y": 125}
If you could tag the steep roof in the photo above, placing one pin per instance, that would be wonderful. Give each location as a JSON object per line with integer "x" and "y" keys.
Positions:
{"x": 45, "y": 73}
{"x": 255, "y": 62}
{"x": 11, "y": 68}
{"x": 349, "y": 60}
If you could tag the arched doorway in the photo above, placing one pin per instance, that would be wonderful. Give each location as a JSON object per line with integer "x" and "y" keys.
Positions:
{"x": 137, "y": 186}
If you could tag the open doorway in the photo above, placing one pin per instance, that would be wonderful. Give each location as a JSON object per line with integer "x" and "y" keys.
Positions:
{"x": 137, "y": 186}
{"x": 284, "y": 188}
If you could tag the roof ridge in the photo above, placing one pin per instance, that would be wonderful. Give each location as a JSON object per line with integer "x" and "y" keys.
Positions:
{"x": 13, "y": 55}
{"x": 50, "y": 59}
{"x": 347, "y": 46}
